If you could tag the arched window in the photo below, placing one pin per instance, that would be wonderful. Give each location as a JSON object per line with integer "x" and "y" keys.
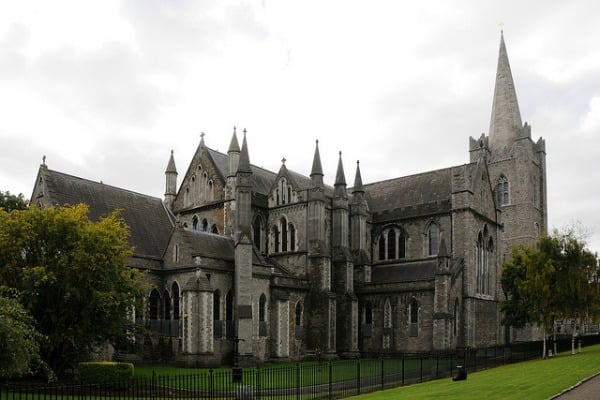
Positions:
{"x": 292, "y": 238}
{"x": 166, "y": 305}
{"x": 214, "y": 229}
{"x": 217, "y": 323}
{"x": 229, "y": 315}
{"x": 391, "y": 244}
{"x": 276, "y": 239}
{"x": 382, "y": 247}
{"x": 257, "y": 231}
{"x": 503, "y": 191}
{"x": 204, "y": 225}
{"x": 284, "y": 232}
{"x": 154, "y": 302}
{"x": 401, "y": 245}
{"x": 433, "y": 234}
{"x": 298, "y": 321}
{"x": 195, "y": 223}
{"x": 175, "y": 290}
{"x": 210, "y": 190}
{"x": 283, "y": 190}
{"x": 277, "y": 196}
{"x": 262, "y": 312}
{"x": 483, "y": 255}
{"x": 413, "y": 318}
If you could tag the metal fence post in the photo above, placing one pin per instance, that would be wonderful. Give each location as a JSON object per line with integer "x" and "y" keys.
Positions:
{"x": 297, "y": 381}
{"x": 357, "y": 376}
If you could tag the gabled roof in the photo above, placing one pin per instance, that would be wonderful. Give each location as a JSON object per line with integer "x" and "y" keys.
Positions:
{"x": 209, "y": 245}
{"x": 149, "y": 221}
{"x": 409, "y": 191}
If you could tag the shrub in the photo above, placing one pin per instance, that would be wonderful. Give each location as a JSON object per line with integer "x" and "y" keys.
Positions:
{"x": 104, "y": 372}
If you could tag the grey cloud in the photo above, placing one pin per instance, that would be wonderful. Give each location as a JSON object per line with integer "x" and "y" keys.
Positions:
{"x": 12, "y": 58}
{"x": 110, "y": 84}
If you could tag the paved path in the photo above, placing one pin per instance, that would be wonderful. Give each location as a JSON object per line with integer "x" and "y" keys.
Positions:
{"x": 586, "y": 390}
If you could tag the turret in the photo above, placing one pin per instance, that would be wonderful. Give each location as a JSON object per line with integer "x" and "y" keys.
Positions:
{"x": 171, "y": 182}
{"x": 359, "y": 213}
{"x": 340, "y": 208}
{"x": 316, "y": 173}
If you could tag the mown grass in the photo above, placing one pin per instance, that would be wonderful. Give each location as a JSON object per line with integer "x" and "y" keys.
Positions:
{"x": 537, "y": 379}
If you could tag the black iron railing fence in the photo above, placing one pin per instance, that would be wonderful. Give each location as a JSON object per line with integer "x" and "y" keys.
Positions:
{"x": 308, "y": 380}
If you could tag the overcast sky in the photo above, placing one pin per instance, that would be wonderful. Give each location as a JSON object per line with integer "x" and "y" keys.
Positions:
{"x": 105, "y": 89}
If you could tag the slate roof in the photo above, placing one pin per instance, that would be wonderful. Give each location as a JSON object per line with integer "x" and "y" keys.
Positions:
{"x": 206, "y": 244}
{"x": 409, "y": 191}
{"x": 149, "y": 221}
{"x": 406, "y": 272}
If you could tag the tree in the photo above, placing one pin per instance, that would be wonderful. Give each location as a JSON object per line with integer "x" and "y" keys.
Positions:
{"x": 10, "y": 202}
{"x": 547, "y": 281}
{"x": 574, "y": 285}
{"x": 19, "y": 341}
{"x": 71, "y": 276}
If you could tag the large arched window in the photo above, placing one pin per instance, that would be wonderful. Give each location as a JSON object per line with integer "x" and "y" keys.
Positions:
{"x": 391, "y": 244}
{"x": 433, "y": 234}
{"x": 175, "y": 291}
{"x": 214, "y": 229}
{"x": 204, "y": 225}
{"x": 413, "y": 318}
{"x": 195, "y": 223}
{"x": 503, "y": 191}
{"x": 262, "y": 315}
{"x": 484, "y": 250}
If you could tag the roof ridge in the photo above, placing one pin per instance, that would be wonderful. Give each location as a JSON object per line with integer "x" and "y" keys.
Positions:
{"x": 103, "y": 184}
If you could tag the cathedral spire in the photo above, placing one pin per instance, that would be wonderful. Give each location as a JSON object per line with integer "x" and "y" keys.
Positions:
{"x": 506, "y": 118}
{"x": 316, "y": 173}
{"x": 233, "y": 154}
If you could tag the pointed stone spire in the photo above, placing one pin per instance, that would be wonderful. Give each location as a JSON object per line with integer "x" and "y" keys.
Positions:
{"x": 506, "y": 118}
{"x": 234, "y": 147}
{"x": 340, "y": 180}
{"x": 244, "y": 164}
{"x": 171, "y": 182}
{"x": 358, "y": 185}
{"x": 316, "y": 173}
{"x": 233, "y": 154}
{"x": 171, "y": 165}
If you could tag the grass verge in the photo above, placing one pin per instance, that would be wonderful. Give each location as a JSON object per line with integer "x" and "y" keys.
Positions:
{"x": 537, "y": 379}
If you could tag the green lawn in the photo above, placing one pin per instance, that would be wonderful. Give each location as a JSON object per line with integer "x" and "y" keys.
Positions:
{"x": 538, "y": 379}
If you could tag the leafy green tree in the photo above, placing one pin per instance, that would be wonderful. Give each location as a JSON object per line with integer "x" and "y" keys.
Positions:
{"x": 574, "y": 287}
{"x": 72, "y": 277}
{"x": 548, "y": 281}
{"x": 10, "y": 202}
{"x": 19, "y": 340}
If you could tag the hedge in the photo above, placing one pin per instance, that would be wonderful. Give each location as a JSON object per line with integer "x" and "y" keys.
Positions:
{"x": 104, "y": 371}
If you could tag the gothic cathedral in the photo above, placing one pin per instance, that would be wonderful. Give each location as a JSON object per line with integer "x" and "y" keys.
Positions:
{"x": 247, "y": 265}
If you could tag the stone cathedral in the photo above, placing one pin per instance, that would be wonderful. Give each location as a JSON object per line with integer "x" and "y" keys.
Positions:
{"x": 249, "y": 265}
